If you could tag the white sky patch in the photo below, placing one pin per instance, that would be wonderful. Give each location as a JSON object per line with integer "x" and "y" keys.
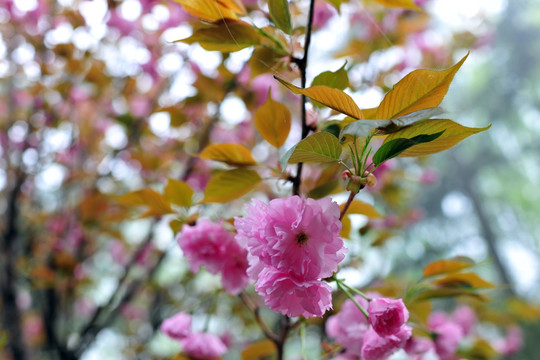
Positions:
{"x": 524, "y": 265}
{"x": 130, "y": 10}
{"x": 455, "y": 204}
{"x": 26, "y": 5}
{"x": 93, "y": 11}
{"x": 177, "y": 33}
{"x": 236, "y": 60}
{"x": 233, "y": 110}
{"x": 160, "y": 122}
{"x": 115, "y": 136}
{"x": 61, "y": 35}
{"x": 51, "y": 178}
{"x": 208, "y": 61}
{"x": 465, "y": 14}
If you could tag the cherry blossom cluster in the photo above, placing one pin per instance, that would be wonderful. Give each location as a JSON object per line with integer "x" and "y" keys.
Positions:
{"x": 197, "y": 345}
{"x": 373, "y": 338}
{"x": 292, "y": 244}
{"x": 210, "y": 245}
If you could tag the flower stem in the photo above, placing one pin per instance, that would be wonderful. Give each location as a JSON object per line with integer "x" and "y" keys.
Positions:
{"x": 350, "y": 296}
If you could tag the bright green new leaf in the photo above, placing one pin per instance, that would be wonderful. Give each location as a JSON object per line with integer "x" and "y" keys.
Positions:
{"x": 226, "y": 36}
{"x": 179, "y": 193}
{"x": 229, "y": 153}
{"x": 228, "y": 185}
{"x": 279, "y": 12}
{"x": 420, "y": 89}
{"x": 319, "y": 147}
{"x": 404, "y": 4}
{"x": 273, "y": 121}
{"x": 338, "y": 79}
{"x": 395, "y": 147}
{"x": 333, "y": 98}
{"x": 453, "y": 134}
{"x": 362, "y": 208}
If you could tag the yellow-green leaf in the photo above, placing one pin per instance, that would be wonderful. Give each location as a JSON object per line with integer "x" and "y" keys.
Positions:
{"x": 229, "y": 153}
{"x": 319, "y": 147}
{"x": 273, "y": 121}
{"x": 259, "y": 350}
{"x": 228, "y": 185}
{"x": 178, "y": 192}
{"x": 279, "y": 12}
{"x": 338, "y": 79}
{"x": 464, "y": 280}
{"x": 420, "y": 89}
{"x": 155, "y": 202}
{"x": 360, "y": 207}
{"x": 404, "y": 4}
{"x": 453, "y": 134}
{"x": 447, "y": 266}
{"x": 447, "y": 292}
{"x": 225, "y": 36}
{"x": 333, "y": 98}
{"x": 213, "y": 10}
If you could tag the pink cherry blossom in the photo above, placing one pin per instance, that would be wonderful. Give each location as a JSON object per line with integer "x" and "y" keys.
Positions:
{"x": 447, "y": 338}
{"x": 203, "y": 346}
{"x": 378, "y": 347}
{"x": 204, "y": 245}
{"x": 387, "y": 316}
{"x": 416, "y": 347}
{"x": 178, "y": 326}
{"x": 349, "y": 326}
{"x": 233, "y": 273}
{"x": 293, "y": 297}
{"x": 465, "y": 317}
{"x": 322, "y": 13}
{"x": 512, "y": 343}
{"x": 296, "y": 236}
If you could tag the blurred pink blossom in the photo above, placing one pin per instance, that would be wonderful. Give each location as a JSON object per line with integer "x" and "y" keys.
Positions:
{"x": 512, "y": 343}
{"x": 448, "y": 335}
{"x": 203, "y": 346}
{"x": 178, "y": 326}
{"x": 378, "y": 347}
{"x": 349, "y": 326}
{"x": 322, "y": 13}
{"x": 262, "y": 84}
{"x": 465, "y": 317}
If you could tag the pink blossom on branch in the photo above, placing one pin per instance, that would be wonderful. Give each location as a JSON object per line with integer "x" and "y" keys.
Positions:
{"x": 292, "y": 297}
{"x": 378, "y": 347}
{"x": 387, "y": 316}
{"x": 292, "y": 244}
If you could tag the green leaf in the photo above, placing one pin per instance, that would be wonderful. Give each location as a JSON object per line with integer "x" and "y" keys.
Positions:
{"x": 273, "y": 121}
{"x": 228, "y": 185}
{"x": 338, "y": 79}
{"x": 362, "y": 128}
{"x": 333, "y": 98}
{"x": 279, "y": 12}
{"x": 464, "y": 280}
{"x": 453, "y": 134}
{"x": 420, "y": 89}
{"x": 179, "y": 193}
{"x": 395, "y": 147}
{"x": 225, "y": 36}
{"x": 319, "y": 147}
